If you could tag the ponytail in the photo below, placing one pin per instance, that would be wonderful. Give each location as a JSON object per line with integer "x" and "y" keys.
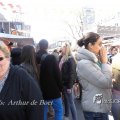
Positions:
{"x": 90, "y": 37}
{"x": 81, "y": 42}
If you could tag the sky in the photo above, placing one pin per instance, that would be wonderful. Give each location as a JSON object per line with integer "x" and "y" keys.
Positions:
{"x": 48, "y": 17}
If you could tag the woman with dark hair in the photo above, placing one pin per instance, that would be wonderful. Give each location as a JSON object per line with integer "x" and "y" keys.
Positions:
{"x": 95, "y": 76}
{"x": 28, "y": 59}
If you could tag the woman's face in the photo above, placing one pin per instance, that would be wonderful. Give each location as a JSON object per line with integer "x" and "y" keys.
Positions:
{"x": 3, "y": 63}
{"x": 63, "y": 50}
{"x": 95, "y": 48}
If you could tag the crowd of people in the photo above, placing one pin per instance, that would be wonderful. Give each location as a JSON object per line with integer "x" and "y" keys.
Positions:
{"x": 33, "y": 81}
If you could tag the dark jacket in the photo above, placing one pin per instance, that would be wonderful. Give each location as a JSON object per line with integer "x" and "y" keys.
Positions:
{"x": 68, "y": 71}
{"x": 18, "y": 87}
{"x": 50, "y": 78}
{"x": 39, "y": 55}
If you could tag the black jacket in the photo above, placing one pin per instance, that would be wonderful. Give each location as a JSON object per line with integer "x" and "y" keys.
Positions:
{"x": 39, "y": 55}
{"x": 68, "y": 71}
{"x": 50, "y": 78}
{"x": 20, "y": 86}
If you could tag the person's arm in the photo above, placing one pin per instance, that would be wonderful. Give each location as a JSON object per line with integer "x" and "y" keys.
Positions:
{"x": 101, "y": 78}
{"x": 32, "y": 93}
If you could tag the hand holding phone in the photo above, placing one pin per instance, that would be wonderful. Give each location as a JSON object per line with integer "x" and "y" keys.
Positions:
{"x": 103, "y": 55}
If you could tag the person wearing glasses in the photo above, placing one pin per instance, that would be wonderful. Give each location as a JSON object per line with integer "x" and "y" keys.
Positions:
{"x": 19, "y": 93}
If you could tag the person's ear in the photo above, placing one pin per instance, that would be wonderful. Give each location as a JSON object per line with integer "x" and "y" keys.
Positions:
{"x": 90, "y": 46}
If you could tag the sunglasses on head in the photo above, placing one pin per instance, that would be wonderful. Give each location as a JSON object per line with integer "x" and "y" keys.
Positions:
{"x": 1, "y": 58}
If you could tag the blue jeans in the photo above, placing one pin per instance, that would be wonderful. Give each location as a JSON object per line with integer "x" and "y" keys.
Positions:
{"x": 95, "y": 116}
{"x": 58, "y": 109}
{"x": 116, "y": 106}
{"x": 69, "y": 104}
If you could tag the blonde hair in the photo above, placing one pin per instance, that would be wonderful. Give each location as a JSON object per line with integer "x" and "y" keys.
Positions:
{"x": 4, "y": 49}
{"x": 68, "y": 51}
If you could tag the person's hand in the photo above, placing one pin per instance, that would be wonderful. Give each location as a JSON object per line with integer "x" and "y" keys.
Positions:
{"x": 61, "y": 94}
{"x": 103, "y": 55}
{"x": 69, "y": 90}
{"x": 113, "y": 80}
